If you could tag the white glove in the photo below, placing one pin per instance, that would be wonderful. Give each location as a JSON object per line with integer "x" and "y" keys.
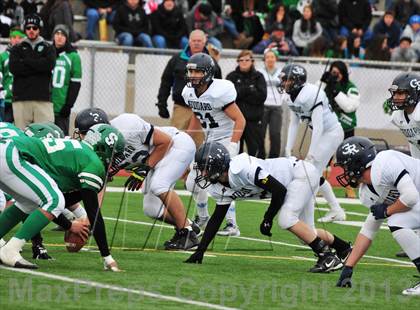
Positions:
{"x": 233, "y": 148}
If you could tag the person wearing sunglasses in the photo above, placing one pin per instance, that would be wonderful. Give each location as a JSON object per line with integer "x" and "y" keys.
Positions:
{"x": 31, "y": 63}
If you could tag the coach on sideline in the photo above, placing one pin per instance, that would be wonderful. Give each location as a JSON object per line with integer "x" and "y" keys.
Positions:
{"x": 31, "y": 63}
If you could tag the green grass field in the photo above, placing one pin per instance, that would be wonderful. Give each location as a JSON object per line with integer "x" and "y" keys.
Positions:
{"x": 247, "y": 272}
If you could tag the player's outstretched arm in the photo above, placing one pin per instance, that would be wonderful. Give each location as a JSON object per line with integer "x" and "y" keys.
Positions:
{"x": 212, "y": 227}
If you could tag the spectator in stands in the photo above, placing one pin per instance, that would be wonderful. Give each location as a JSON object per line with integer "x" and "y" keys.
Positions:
{"x": 278, "y": 41}
{"x": 173, "y": 78}
{"x": 67, "y": 77}
{"x": 339, "y": 49}
{"x": 96, "y": 9}
{"x": 318, "y": 48}
{"x": 404, "y": 9}
{"x": 57, "y": 12}
{"x": 272, "y": 118}
{"x": 355, "y": 17}
{"x": 357, "y": 51}
{"x": 279, "y": 15}
{"x": 131, "y": 25}
{"x": 344, "y": 98}
{"x": 404, "y": 52}
{"x": 31, "y": 6}
{"x": 31, "y": 63}
{"x": 204, "y": 18}
{"x": 16, "y": 36}
{"x": 306, "y": 29}
{"x": 240, "y": 40}
{"x": 412, "y": 31}
{"x": 326, "y": 13}
{"x": 251, "y": 94}
{"x": 168, "y": 26}
{"x": 378, "y": 49}
{"x": 389, "y": 26}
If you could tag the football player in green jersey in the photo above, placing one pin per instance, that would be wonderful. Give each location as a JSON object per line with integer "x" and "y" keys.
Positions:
{"x": 32, "y": 170}
{"x": 67, "y": 77}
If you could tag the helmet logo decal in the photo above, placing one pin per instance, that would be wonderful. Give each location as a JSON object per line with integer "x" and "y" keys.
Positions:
{"x": 349, "y": 149}
{"x": 111, "y": 139}
{"x": 298, "y": 70}
{"x": 414, "y": 83}
{"x": 95, "y": 116}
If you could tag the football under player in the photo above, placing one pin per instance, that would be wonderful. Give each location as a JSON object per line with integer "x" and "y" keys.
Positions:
{"x": 310, "y": 104}
{"x": 389, "y": 186}
{"x": 216, "y": 113}
{"x": 291, "y": 184}
{"x": 158, "y": 157}
{"x": 77, "y": 167}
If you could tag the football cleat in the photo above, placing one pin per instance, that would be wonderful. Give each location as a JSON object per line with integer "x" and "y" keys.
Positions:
{"x": 201, "y": 221}
{"x": 414, "y": 290}
{"x": 229, "y": 230}
{"x": 14, "y": 259}
{"x": 344, "y": 254}
{"x": 401, "y": 254}
{"x": 327, "y": 262}
{"x": 186, "y": 240}
{"x": 333, "y": 216}
{"x": 196, "y": 229}
{"x": 39, "y": 252}
{"x": 174, "y": 238}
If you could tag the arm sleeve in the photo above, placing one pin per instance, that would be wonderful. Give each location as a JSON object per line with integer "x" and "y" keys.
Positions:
{"x": 292, "y": 133}
{"x": 213, "y": 226}
{"x": 317, "y": 129}
{"x": 348, "y": 102}
{"x": 278, "y": 193}
{"x": 91, "y": 204}
{"x": 409, "y": 194}
{"x": 62, "y": 221}
{"x": 72, "y": 93}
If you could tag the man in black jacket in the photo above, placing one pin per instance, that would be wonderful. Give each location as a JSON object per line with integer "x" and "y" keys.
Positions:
{"x": 252, "y": 92}
{"x": 31, "y": 63}
{"x": 173, "y": 78}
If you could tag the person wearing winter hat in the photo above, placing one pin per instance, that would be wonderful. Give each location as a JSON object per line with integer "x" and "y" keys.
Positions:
{"x": 31, "y": 63}
{"x": 67, "y": 77}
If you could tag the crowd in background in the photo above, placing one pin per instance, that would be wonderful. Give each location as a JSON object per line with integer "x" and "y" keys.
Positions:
{"x": 319, "y": 28}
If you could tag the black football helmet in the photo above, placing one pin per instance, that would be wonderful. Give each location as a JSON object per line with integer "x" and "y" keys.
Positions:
{"x": 354, "y": 155}
{"x": 406, "y": 82}
{"x": 297, "y": 76}
{"x": 212, "y": 159}
{"x": 201, "y": 62}
{"x": 86, "y": 119}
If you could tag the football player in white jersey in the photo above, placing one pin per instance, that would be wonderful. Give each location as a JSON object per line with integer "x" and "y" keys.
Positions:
{"x": 158, "y": 157}
{"x": 289, "y": 182}
{"x": 389, "y": 186}
{"x": 309, "y": 103}
{"x": 215, "y": 112}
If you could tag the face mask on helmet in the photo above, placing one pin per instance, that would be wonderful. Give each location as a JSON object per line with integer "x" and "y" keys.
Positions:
{"x": 404, "y": 91}
{"x": 195, "y": 77}
{"x": 212, "y": 160}
{"x": 292, "y": 79}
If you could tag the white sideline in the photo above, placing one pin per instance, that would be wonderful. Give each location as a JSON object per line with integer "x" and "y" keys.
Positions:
{"x": 263, "y": 241}
{"x": 117, "y": 288}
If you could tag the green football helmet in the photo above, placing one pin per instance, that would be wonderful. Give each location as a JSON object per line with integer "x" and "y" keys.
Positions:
{"x": 108, "y": 143}
{"x": 59, "y": 133}
{"x": 43, "y": 131}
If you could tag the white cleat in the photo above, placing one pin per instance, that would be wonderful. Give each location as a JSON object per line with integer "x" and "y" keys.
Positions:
{"x": 412, "y": 291}
{"x": 14, "y": 259}
{"x": 2, "y": 243}
{"x": 113, "y": 266}
{"x": 333, "y": 216}
{"x": 229, "y": 230}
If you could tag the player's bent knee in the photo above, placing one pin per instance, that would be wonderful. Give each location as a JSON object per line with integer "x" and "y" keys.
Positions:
{"x": 153, "y": 212}
{"x": 287, "y": 219}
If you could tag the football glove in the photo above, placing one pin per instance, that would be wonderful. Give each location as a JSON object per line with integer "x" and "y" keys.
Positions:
{"x": 195, "y": 258}
{"x": 163, "y": 110}
{"x": 265, "y": 227}
{"x": 345, "y": 277}
{"x": 136, "y": 179}
{"x": 379, "y": 211}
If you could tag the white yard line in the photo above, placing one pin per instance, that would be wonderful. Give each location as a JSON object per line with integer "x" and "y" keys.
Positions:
{"x": 264, "y": 241}
{"x": 117, "y": 288}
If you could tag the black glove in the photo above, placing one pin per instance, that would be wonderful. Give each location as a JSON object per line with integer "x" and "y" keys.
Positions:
{"x": 265, "y": 227}
{"x": 345, "y": 277}
{"x": 136, "y": 179}
{"x": 65, "y": 111}
{"x": 326, "y": 77}
{"x": 195, "y": 258}
{"x": 163, "y": 110}
{"x": 379, "y": 211}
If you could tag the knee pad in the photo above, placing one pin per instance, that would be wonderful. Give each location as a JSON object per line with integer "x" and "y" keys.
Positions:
{"x": 287, "y": 219}
{"x": 152, "y": 206}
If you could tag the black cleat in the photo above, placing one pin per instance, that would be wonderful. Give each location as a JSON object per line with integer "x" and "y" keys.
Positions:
{"x": 39, "y": 252}
{"x": 196, "y": 229}
{"x": 344, "y": 254}
{"x": 186, "y": 240}
{"x": 174, "y": 238}
{"x": 401, "y": 254}
{"x": 327, "y": 262}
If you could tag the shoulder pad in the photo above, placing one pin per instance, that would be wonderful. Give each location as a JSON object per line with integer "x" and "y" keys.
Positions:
{"x": 237, "y": 163}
